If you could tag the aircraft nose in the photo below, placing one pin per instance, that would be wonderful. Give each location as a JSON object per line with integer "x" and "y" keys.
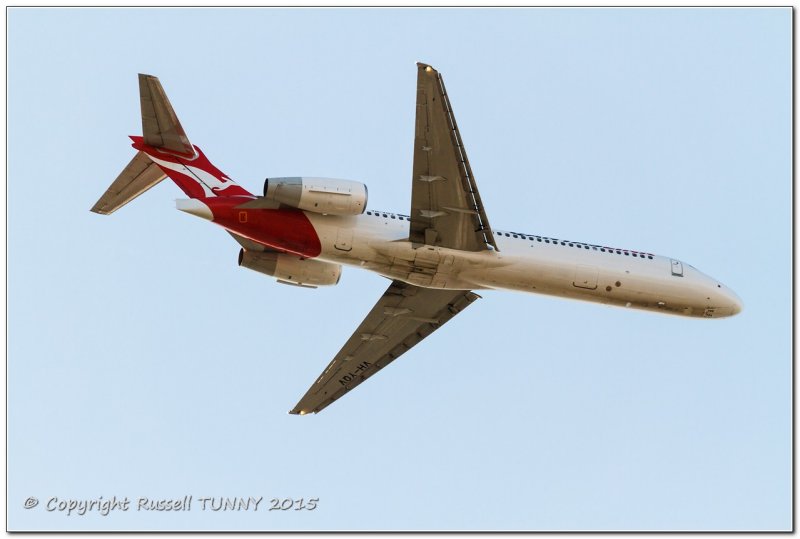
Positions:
{"x": 736, "y": 303}
{"x": 731, "y": 302}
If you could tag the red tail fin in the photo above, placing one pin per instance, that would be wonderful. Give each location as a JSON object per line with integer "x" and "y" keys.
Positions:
{"x": 164, "y": 148}
{"x": 196, "y": 176}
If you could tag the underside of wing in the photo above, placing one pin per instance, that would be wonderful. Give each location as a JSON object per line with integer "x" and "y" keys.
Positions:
{"x": 446, "y": 208}
{"x": 403, "y": 317}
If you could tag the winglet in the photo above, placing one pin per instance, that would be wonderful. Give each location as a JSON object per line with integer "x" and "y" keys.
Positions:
{"x": 160, "y": 125}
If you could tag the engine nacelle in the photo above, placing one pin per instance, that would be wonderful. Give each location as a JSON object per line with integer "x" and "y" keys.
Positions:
{"x": 291, "y": 269}
{"x": 320, "y": 195}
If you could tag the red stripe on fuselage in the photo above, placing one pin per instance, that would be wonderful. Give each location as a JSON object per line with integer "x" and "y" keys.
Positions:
{"x": 284, "y": 229}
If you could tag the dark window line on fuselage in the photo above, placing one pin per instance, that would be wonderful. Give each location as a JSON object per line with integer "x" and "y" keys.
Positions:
{"x": 387, "y": 215}
{"x": 531, "y": 238}
{"x": 579, "y": 245}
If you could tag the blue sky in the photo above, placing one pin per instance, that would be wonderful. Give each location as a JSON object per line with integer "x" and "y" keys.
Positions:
{"x": 142, "y": 362}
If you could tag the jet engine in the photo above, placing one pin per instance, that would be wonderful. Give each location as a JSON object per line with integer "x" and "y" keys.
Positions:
{"x": 320, "y": 195}
{"x": 291, "y": 269}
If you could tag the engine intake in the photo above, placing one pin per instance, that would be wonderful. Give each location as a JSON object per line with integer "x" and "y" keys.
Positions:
{"x": 291, "y": 269}
{"x": 320, "y": 195}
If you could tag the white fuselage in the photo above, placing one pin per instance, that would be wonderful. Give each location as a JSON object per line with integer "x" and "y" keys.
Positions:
{"x": 378, "y": 241}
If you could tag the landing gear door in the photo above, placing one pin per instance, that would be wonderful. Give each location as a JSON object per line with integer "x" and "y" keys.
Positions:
{"x": 677, "y": 268}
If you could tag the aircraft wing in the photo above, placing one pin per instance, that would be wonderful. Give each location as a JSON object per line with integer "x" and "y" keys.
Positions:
{"x": 446, "y": 208}
{"x": 403, "y": 316}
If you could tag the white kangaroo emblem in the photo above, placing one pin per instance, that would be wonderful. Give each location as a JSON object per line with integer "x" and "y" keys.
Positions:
{"x": 210, "y": 184}
{"x": 210, "y": 181}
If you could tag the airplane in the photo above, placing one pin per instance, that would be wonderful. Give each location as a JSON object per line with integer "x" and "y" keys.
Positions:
{"x": 302, "y": 230}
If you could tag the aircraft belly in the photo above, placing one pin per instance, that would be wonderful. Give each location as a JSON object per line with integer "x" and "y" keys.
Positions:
{"x": 349, "y": 240}
{"x": 422, "y": 265}
{"x": 370, "y": 245}
{"x": 588, "y": 276}
{"x": 396, "y": 258}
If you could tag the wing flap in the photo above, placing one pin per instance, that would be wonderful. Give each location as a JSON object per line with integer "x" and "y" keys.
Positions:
{"x": 403, "y": 317}
{"x": 137, "y": 177}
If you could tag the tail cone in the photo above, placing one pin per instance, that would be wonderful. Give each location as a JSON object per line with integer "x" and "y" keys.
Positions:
{"x": 195, "y": 207}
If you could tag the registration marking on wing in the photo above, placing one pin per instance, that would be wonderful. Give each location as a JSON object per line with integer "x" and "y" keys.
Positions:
{"x": 352, "y": 375}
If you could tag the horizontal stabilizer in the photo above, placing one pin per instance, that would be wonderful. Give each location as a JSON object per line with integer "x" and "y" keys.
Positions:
{"x": 160, "y": 125}
{"x": 140, "y": 175}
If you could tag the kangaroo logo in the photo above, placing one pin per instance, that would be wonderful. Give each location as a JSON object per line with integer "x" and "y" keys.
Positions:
{"x": 214, "y": 183}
